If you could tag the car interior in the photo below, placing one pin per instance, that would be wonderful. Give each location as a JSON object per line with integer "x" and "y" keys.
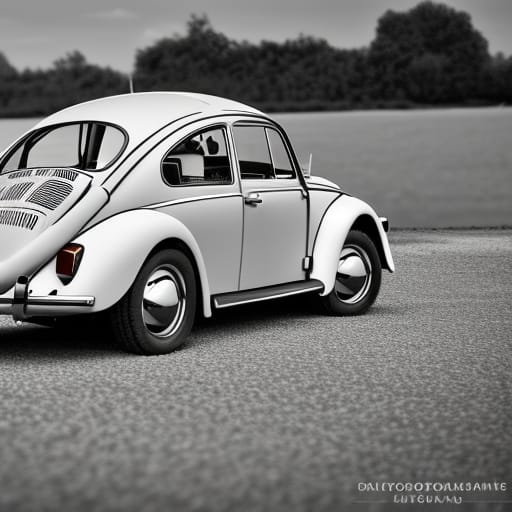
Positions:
{"x": 197, "y": 161}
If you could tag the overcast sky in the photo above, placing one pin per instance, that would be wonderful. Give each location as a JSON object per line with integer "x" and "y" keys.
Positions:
{"x": 34, "y": 33}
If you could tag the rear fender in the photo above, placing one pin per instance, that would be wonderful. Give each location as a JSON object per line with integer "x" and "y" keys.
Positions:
{"x": 114, "y": 252}
{"x": 40, "y": 249}
{"x": 336, "y": 224}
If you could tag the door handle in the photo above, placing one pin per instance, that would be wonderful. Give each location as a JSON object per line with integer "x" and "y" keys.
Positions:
{"x": 253, "y": 198}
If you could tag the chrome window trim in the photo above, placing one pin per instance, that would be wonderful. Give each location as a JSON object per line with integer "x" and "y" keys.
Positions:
{"x": 250, "y": 124}
{"x": 274, "y": 177}
{"x": 273, "y": 125}
{"x": 294, "y": 177}
{"x": 277, "y": 189}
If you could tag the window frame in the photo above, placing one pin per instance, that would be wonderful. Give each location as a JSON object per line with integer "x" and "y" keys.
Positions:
{"x": 249, "y": 124}
{"x": 291, "y": 156}
{"x": 225, "y": 130}
{"x": 43, "y": 131}
{"x": 290, "y": 159}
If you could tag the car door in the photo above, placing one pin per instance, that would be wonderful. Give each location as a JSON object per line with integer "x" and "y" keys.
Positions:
{"x": 275, "y": 209}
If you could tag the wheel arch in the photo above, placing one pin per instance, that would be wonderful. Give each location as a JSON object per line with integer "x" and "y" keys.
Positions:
{"x": 180, "y": 245}
{"x": 367, "y": 224}
{"x": 115, "y": 250}
{"x": 342, "y": 216}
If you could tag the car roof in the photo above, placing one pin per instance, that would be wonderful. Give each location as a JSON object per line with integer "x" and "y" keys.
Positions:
{"x": 142, "y": 114}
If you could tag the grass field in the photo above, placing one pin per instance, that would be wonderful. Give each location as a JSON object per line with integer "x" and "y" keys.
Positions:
{"x": 428, "y": 168}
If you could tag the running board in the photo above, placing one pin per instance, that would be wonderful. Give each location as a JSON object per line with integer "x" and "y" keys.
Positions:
{"x": 226, "y": 300}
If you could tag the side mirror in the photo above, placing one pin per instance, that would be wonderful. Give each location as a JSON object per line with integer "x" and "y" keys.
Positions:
{"x": 306, "y": 171}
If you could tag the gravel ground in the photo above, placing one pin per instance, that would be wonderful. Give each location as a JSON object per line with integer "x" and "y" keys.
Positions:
{"x": 274, "y": 407}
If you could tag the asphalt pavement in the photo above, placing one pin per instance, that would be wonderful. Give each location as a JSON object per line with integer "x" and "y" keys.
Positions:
{"x": 275, "y": 407}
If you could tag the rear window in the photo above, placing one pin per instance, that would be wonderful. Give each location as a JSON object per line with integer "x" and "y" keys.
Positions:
{"x": 87, "y": 146}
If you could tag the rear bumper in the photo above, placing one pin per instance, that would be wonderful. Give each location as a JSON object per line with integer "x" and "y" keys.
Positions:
{"x": 21, "y": 306}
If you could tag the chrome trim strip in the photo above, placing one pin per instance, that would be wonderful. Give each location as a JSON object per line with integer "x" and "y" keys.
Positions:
{"x": 267, "y": 297}
{"x": 272, "y": 189}
{"x": 190, "y": 200}
{"x": 51, "y": 300}
{"x": 61, "y": 300}
{"x": 325, "y": 188}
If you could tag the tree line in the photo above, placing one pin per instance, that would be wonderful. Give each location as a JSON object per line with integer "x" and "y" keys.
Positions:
{"x": 430, "y": 55}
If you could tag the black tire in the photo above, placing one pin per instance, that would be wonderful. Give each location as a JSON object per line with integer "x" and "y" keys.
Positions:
{"x": 146, "y": 320}
{"x": 356, "y": 289}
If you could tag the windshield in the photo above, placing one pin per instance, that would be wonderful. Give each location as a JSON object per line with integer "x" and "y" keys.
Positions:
{"x": 89, "y": 146}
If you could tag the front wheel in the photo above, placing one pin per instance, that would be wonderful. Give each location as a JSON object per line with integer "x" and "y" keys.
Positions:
{"x": 358, "y": 277}
{"x": 157, "y": 313}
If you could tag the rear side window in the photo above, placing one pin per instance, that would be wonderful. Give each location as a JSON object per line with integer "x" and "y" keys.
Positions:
{"x": 201, "y": 159}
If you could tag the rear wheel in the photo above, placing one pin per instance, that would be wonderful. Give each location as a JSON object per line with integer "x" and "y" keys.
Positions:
{"x": 157, "y": 313}
{"x": 358, "y": 277}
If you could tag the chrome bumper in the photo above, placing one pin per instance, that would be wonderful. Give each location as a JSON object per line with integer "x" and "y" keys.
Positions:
{"x": 23, "y": 306}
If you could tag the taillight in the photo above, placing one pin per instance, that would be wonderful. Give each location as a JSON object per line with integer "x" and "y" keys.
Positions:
{"x": 68, "y": 261}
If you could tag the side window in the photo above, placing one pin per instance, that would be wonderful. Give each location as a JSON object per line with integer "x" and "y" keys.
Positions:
{"x": 283, "y": 167}
{"x": 253, "y": 153}
{"x": 201, "y": 159}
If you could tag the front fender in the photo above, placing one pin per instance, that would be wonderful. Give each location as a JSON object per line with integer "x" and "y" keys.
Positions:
{"x": 114, "y": 252}
{"x": 334, "y": 228}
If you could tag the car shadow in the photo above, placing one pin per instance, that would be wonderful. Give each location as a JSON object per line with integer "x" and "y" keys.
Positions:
{"x": 289, "y": 307}
{"x": 34, "y": 341}
{"x": 30, "y": 340}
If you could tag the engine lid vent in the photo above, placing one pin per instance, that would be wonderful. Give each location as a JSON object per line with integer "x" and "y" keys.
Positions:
{"x": 15, "y": 192}
{"x": 19, "y": 174}
{"x": 50, "y": 194}
{"x": 18, "y": 218}
{"x": 66, "y": 174}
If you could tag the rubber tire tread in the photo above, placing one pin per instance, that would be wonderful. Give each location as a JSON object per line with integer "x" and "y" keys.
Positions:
{"x": 127, "y": 324}
{"x": 332, "y": 305}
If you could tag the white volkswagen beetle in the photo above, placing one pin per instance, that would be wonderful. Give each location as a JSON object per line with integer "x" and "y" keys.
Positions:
{"x": 151, "y": 205}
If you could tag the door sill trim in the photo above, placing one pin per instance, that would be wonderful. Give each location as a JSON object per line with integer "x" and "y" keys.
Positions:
{"x": 226, "y": 300}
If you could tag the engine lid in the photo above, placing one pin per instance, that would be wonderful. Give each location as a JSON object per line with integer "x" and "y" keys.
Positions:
{"x": 31, "y": 200}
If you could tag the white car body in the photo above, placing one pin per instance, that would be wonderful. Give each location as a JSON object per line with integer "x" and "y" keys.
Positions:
{"x": 248, "y": 239}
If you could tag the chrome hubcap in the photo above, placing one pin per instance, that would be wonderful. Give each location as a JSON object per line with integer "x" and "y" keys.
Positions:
{"x": 163, "y": 303}
{"x": 354, "y": 275}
